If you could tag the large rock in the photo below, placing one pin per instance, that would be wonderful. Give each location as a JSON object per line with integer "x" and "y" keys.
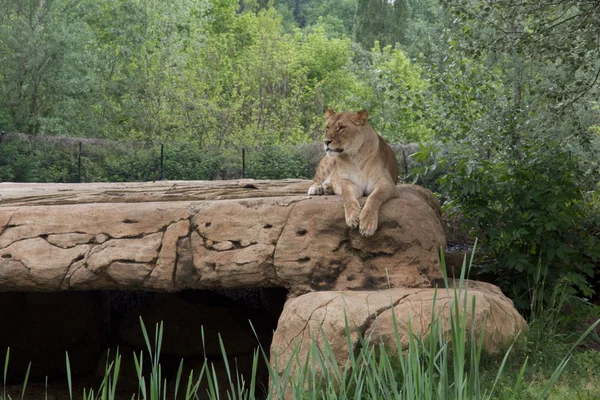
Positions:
{"x": 317, "y": 315}
{"x": 169, "y": 236}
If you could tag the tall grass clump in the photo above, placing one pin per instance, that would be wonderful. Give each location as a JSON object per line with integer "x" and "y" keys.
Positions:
{"x": 444, "y": 365}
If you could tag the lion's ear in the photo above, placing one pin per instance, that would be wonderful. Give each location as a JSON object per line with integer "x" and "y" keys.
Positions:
{"x": 361, "y": 117}
{"x": 329, "y": 113}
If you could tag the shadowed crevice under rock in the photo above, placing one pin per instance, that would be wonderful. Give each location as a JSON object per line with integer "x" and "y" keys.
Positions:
{"x": 40, "y": 327}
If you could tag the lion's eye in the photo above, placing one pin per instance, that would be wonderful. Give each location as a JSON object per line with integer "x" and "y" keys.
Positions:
{"x": 341, "y": 128}
{"x": 327, "y": 127}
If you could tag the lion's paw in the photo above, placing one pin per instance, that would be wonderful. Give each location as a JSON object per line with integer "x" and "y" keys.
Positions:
{"x": 352, "y": 218}
{"x": 328, "y": 189}
{"x": 315, "y": 190}
{"x": 368, "y": 223}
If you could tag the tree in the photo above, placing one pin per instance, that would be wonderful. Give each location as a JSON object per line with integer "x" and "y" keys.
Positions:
{"x": 381, "y": 20}
{"x": 550, "y": 51}
{"x": 47, "y": 72}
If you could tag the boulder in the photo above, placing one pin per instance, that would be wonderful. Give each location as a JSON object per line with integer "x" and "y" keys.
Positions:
{"x": 170, "y": 236}
{"x": 371, "y": 314}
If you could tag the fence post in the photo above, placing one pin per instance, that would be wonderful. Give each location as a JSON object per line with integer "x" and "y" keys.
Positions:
{"x": 405, "y": 164}
{"x": 2, "y": 136}
{"x": 243, "y": 162}
{"x": 79, "y": 163}
{"x": 162, "y": 158}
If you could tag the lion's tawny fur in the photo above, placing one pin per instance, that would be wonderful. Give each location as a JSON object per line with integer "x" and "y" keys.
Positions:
{"x": 358, "y": 163}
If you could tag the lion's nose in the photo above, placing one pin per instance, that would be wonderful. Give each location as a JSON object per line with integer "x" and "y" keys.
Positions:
{"x": 327, "y": 142}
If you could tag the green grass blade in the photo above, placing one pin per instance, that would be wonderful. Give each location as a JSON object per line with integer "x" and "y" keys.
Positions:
{"x": 146, "y": 339}
{"x": 69, "y": 381}
{"x": 25, "y": 381}
{"x": 178, "y": 379}
{"x": 115, "y": 378}
{"x": 139, "y": 365}
{"x": 227, "y": 368}
{"x": 6, "y": 358}
{"x": 519, "y": 381}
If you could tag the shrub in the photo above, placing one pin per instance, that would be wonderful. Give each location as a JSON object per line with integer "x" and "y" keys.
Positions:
{"x": 279, "y": 162}
{"x": 529, "y": 210}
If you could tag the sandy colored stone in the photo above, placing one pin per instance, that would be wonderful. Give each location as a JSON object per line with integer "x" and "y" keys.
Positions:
{"x": 28, "y": 194}
{"x": 369, "y": 315}
{"x": 46, "y": 264}
{"x": 14, "y": 275}
{"x": 144, "y": 249}
{"x": 402, "y": 253}
{"x": 494, "y": 313}
{"x": 66, "y": 240}
{"x": 116, "y": 220}
{"x": 128, "y": 275}
{"x": 162, "y": 275}
{"x": 169, "y": 236}
{"x": 82, "y": 278}
{"x": 101, "y": 238}
{"x": 222, "y": 246}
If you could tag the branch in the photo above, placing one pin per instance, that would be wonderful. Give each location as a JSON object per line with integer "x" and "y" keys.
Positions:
{"x": 580, "y": 95}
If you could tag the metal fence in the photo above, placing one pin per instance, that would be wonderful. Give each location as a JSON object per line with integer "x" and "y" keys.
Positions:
{"x": 28, "y": 158}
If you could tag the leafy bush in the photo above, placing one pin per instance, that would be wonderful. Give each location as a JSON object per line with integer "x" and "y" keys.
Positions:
{"x": 529, "y": 210}
{"x": 25, "y": 162}
{"x": 279, "y": 162}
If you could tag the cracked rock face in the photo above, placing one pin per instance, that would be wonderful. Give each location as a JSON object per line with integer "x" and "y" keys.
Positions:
{"x": 370, "y": 315}
{"x": 169, "y": 236}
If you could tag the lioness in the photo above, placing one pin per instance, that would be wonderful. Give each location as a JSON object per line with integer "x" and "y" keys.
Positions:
{"x": 358, "y": 162}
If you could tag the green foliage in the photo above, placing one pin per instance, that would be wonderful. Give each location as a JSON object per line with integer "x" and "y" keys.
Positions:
{"x": 47, "y": 71}
{"x": 279, "y": 163}
{"x": 24, "y": 162}
{"x": 209, "y": 72}
{"x": 530, "y": 213}
{"x": 36, "y": 160}
{"x": 516, "y": 149}
{"x": 395, "y": 94}
{"x": 381, "y": 21}
{"x": 501, "y": 88}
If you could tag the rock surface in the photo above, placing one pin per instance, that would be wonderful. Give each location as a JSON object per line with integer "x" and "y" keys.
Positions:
{"x": 169, "y": 236}
{"x": 236, "y": 235}
{"x": 369, "y": 313}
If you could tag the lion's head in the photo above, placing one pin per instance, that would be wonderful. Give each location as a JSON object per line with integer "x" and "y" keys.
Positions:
{"x": 345, "y": 132}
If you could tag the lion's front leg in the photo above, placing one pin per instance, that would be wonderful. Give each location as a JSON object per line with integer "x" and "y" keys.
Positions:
{"x": 369, "y": 216}
{"x": 350, "y": 195}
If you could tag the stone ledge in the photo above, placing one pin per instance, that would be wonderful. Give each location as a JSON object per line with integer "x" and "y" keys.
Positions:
{"x": 169, "y": 236}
